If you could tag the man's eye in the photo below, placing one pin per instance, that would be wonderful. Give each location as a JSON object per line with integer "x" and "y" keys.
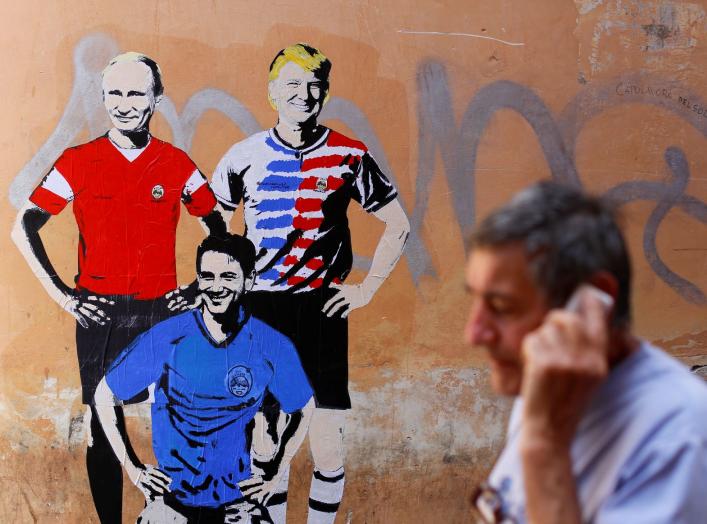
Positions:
{"x": 500, "y": 307}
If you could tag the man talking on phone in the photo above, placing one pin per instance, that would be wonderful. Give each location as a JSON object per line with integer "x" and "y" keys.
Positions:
{"x": 605, "y": 427}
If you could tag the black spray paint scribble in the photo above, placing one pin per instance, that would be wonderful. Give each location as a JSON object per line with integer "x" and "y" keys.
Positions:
{"x": 666, "y": 195}
{"x": 438, "y": 130}
{"x": 459, "y": 145}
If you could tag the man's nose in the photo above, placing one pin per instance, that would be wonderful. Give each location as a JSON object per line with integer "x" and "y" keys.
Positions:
{"x": 313, "y": 92}
{"x": 303, "y": 91}
{"x": 479, "y": 329}
{"x": 124, "y": 105}
{"x": 217, "y": 285}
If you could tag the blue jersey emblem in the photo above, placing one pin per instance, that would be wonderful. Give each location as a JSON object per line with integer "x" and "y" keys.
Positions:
{"x": 239, "y": 381}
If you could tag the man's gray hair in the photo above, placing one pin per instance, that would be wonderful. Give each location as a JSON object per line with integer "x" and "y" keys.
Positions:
{"x": 567, "y": 235}
{"x": 132, "y": 56}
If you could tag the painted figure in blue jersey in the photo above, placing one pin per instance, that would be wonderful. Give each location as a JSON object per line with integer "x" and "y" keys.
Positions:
{"x": 211, "y": 367}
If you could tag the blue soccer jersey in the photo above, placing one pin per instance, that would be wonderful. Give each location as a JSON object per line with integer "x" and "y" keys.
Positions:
{"x": 206, "y": 394}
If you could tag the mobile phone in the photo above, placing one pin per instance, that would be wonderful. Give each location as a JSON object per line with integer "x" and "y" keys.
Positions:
{"x": 574, "y": 302}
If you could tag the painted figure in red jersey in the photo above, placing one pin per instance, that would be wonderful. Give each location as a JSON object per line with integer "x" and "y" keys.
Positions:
{"x": 126, "y": 188}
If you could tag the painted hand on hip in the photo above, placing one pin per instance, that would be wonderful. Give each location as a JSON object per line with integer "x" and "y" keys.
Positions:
{"x": 346, "y": 299}
{"x": 87, "y": 310}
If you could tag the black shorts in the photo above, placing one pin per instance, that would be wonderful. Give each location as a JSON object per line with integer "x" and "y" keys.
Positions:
{"x": 98, "y": 346}
{"x": 246, "y": 510}
{"x": 321, "y": 342}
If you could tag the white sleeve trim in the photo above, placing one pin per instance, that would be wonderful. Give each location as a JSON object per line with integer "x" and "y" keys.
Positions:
{"x": 219, "y": 182}
{"x": 196, "y": 180}
{"x": 57, "y": 184}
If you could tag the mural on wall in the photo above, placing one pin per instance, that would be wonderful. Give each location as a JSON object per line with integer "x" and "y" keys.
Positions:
{"x": 213, "y": 352}
{"x": 440, "y": 132}
{"x": 451, "y": 126}
{"x": 296, "y": 181}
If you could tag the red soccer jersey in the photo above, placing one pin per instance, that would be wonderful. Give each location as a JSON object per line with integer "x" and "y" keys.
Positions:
{"x": 126, "y": 211}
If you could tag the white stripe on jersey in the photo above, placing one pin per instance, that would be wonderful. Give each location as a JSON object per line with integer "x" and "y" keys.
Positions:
{"x": 327, "y": 150}
{"x": 310, "y": 193}
{"x": 325, "y": 172}
{"x": 196, "y": 180}
{"x": 57, "y": 184}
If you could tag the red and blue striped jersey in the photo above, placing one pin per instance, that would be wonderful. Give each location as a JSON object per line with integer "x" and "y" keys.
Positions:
{"x": 295, "y": 203}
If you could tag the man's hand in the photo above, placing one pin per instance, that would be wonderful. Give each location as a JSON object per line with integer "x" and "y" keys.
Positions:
{"x": 87, "y": 310}
{"x": 346, "y": 299}
{"x": 258, "y": 489}
{"x": 183, "y": 298}
{"x": 565, "y": 359}
{"x": 153, "y": 482}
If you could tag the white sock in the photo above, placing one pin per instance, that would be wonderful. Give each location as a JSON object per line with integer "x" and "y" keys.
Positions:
{"x": 277, "y": 505}
{"x": 325, "y": 495}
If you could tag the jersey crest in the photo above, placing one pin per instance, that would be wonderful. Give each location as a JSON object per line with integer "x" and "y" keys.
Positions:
{"x": 157, "y": 192}
{"x": 239, "y": 381}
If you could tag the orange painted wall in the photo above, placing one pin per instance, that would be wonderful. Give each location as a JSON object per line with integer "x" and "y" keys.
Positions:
{"x": 611, "y": 88}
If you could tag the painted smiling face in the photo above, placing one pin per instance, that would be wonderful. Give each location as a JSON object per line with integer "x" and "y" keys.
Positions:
{"x": 128, "y": 95}
{"x": 221, "y": 281}
{"x": 297, "y": 94}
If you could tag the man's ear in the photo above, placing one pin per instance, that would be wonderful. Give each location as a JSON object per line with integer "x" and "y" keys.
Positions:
{"x": 606, "y": 282}
{"x": 158, "y": 99}
{"x": 249, "y": 281}
{"x": 272, "y": 94}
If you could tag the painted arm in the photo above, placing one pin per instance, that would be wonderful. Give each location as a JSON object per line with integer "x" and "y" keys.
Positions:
{"x": 25, "y": 233}
{"x": 152, "y": 481}
{"x": 261, "y": 488}
{"x": 226, "y": 215}
{"x": 388, "y": 251}
{"x": 215, "y": 224}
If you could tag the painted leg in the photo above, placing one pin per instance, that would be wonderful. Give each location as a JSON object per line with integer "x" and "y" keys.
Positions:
{"x": 326, "y": 440}
{"x": 267, "y": 431}
{"x": 105, "y": 474}
{"x": 277, "y": 504}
